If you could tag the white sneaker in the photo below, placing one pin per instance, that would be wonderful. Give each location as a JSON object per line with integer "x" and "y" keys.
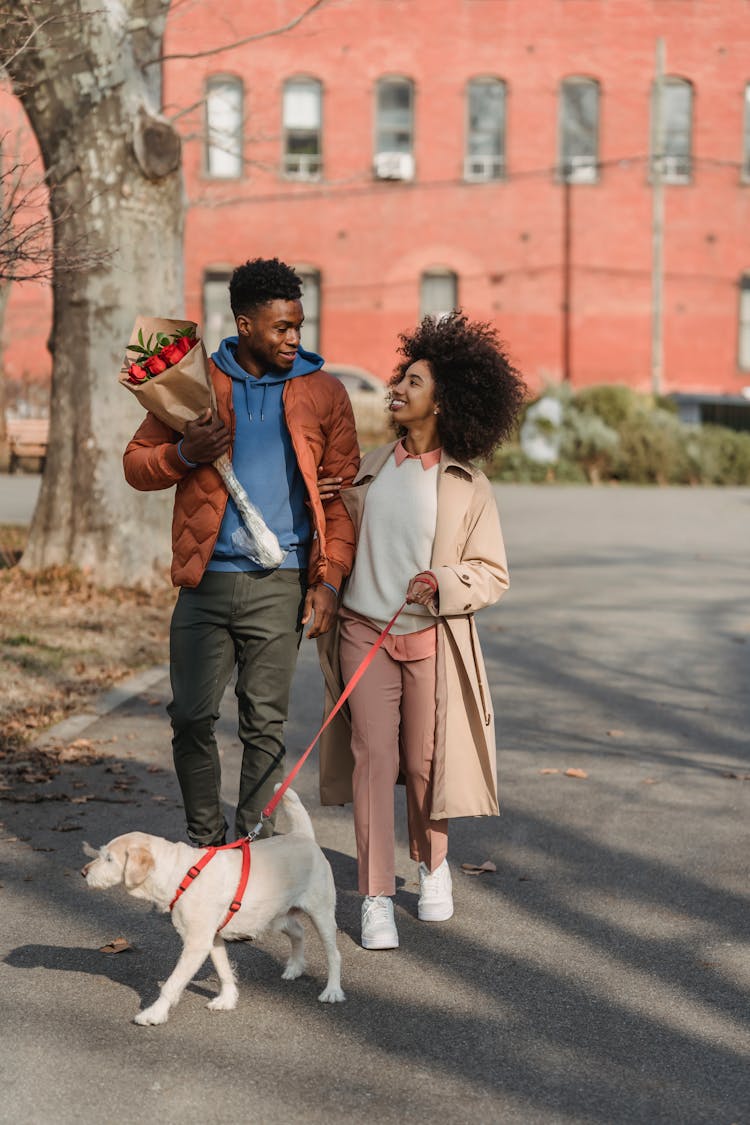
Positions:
{"x": 435, "y": 893}
{"x": 378, "y": 927}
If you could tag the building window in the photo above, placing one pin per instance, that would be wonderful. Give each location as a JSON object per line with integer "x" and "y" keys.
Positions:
{"x": 746, "y": 137}
{"x": 438, "y": 293}
{"x": 485, "y": 139}
{"x": 303, "y": 153}
{"x": 676, "y": 123}
{"x": 394, "y": 129}
{"x": 218, "y": 321}
{"x": 224, "y": 128}
{"x": 311, "y": 304}
{"x": 579, "y": 130}
{"x": 743, "y": 349}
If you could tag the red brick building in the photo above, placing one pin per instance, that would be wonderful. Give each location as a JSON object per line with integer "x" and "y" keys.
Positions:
{"x": 409, "y": 155}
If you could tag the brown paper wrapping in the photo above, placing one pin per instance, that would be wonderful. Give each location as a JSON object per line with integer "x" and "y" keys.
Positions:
{"x": 181, "y": 393}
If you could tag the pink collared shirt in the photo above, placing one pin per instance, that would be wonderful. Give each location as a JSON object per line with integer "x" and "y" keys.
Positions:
{"x": 429, "y": 460}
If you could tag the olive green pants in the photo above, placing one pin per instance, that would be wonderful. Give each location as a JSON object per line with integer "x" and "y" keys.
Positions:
{"x": 251, "y": 620}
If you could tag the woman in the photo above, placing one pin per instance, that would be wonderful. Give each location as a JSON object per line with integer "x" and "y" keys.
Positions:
{"x": 428, "y": 533}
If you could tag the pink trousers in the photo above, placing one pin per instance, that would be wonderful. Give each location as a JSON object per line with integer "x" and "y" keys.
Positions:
{"x": 393, "y": 727}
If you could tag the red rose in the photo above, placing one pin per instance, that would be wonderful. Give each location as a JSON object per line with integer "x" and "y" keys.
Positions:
{"x": 186, "y": 343}
{"x": 172, "y": 353}
{"x": 136, "y": 374}
{"x": 154, "y": 364}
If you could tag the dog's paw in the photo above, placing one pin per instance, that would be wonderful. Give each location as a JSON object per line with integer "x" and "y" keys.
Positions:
{"x": 224, "y": 1002}
{"x": 331, "y": 995}
{"x": 293, "y": 970}
{"x": 156, "y": 1014}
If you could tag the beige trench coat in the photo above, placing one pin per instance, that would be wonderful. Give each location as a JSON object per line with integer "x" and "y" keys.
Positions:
{"x": 468, "y": 560}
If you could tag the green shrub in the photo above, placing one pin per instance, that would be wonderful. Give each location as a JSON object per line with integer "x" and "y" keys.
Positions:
{"x": 612, "y": 432}
{"x": 653, "y": 449}
{"x": 719, "y": 455}
{"x": 510, "y": 463}
{"x": 614, "y": 403}
{"x": 588, "y": 442}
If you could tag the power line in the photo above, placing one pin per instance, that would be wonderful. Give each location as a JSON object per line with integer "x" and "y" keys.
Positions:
{"x": 305, "y": 191}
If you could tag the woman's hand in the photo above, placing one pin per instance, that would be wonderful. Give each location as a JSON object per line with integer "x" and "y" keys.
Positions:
{"x": 422, "y": 589}
{"x": 328, "y": 487}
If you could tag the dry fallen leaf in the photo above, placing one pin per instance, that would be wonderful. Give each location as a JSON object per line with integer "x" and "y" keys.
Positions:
{"x": 549, "y": 769}
{"x": 576, "y": 773}
{"x": 480, "y": 869}
{"x": 117, "y": 945}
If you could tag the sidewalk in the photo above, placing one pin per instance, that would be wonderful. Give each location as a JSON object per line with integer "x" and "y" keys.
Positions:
{"x": 601, "y": 975}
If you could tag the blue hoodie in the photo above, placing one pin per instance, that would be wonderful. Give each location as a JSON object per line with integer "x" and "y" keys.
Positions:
{"x": 264, "y": 461}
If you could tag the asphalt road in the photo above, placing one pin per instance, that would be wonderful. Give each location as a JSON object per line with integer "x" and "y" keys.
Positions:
{"x": 600, "y": 976}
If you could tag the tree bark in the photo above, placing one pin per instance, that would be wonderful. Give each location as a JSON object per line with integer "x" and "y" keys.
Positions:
{"x": 115, "y": 182}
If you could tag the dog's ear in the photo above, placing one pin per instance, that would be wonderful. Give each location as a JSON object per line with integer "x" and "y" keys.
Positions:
{"x": 138, "y": 863}
{"x": 92, "y": 853}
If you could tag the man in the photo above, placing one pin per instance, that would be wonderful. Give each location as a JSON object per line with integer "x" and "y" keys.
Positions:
{"x": 282, "y": 420}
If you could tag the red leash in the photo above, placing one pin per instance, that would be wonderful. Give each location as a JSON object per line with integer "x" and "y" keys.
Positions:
{"x": 244, "y": 843}
{"x": 359, "y": 673}
{"x": 196, "y": 869}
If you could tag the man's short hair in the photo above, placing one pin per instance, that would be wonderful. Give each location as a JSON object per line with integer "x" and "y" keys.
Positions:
{"x": 262, "y": 280}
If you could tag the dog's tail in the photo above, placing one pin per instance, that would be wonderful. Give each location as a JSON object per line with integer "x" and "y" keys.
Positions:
{"x": 299, "y": 821}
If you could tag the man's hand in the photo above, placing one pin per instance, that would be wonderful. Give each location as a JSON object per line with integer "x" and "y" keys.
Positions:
{"x": 320, "y": 604}
{"x": 205, "y": 439}
{"x": 328, "y": 487}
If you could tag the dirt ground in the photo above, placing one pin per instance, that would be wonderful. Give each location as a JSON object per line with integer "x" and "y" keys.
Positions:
{"x": 62, "y": 641}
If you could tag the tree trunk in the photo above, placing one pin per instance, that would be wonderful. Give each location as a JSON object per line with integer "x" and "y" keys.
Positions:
{"x": 116, "y": 193}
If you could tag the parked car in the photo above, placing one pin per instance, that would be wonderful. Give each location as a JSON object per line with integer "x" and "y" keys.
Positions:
{"x": 368, "y": 394}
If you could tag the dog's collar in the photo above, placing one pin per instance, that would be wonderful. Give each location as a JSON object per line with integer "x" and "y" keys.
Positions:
{"x": 196, "y": 869}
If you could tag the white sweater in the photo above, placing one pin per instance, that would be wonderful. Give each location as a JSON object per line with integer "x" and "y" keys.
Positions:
{"x": 395, "y": 543}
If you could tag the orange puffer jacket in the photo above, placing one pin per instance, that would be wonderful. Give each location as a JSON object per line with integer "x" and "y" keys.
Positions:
{"x": 320, "y": 421}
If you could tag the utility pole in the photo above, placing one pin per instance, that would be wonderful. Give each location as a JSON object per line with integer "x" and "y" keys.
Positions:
{"x": 657, "y": 226}
{"x": 567, "y": 270}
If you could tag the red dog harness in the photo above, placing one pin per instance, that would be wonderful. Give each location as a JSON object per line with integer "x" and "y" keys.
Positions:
{"x": 196, "y": 869}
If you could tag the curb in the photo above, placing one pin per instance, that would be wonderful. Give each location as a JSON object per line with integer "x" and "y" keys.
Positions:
{"x": 103, "y": 704}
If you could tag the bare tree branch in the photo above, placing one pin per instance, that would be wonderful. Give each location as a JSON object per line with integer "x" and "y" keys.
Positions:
{"x": 27, "y": 226}
{"x": 248, "y": 39}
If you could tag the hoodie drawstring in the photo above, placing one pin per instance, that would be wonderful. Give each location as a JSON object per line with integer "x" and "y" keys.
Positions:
{"x": 251, "y": 384}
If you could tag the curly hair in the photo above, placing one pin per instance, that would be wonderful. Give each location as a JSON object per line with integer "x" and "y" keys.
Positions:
{"x": 260, "y": 281}
{"x": 477, "y": 388}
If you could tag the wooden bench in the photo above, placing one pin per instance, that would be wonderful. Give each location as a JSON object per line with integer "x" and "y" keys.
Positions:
{"x": 27, "y": 437}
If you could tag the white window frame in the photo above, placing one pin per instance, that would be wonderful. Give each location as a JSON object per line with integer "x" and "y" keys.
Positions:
{"x": 676, "y": 167}
{"x": 216, "y": 324}
{"x": 484, "y": 167}
{"x": 578, "y": 167}
{"x": 743, "y": 324}
{"x": 391, "y": 162}
{"x": 223, "y": 150}
{"x": 437, "y": 309}
{"x": 311, "y": 283}
{"x": 302, "y": 165}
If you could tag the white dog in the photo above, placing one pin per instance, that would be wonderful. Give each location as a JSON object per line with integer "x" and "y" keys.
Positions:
{"x": 288, "y": 874}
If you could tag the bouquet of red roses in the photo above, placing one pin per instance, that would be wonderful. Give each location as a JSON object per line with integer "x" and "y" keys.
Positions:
{"x": 166, "y": 368}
